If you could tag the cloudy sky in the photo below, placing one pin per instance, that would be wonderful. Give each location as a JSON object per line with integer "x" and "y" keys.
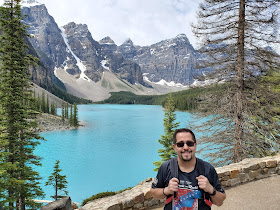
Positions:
{"x": 144, "y": 21}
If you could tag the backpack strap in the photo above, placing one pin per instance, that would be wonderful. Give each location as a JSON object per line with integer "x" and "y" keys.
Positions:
{"x": 174, "y": 170}
{"x": 200, "y": 167}
{"x": 174, "y": 173}
{"x": 202, "y": 170}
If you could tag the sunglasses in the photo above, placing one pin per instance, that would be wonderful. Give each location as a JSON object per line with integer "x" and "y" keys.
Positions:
{"x": 188, "y": 143}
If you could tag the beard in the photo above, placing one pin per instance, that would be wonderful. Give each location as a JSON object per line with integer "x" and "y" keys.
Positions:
{"x": 186, "y": 158}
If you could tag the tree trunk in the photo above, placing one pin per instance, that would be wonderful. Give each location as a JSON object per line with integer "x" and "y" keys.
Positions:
{"x": 22, "y": 204}
{"x": 239, "y": 120}
{"x": 56, "y": 184}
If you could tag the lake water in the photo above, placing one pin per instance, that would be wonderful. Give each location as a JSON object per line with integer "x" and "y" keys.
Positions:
{"x": 115, "y": 150}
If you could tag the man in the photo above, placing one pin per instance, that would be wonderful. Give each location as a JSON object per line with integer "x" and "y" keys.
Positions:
{"x": 197, "y": 184}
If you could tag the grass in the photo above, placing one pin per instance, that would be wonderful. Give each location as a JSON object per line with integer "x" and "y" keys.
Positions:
{"x": 103, "y": 195}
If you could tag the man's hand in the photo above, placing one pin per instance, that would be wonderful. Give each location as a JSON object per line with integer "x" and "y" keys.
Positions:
{"x": 204, "y": 184}
{"x": 173, "y": 186}
{"x": 161, "y": 193}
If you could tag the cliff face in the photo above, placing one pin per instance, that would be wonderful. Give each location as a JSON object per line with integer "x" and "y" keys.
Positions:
{"x": 170, "y": 60}
{"x": 46, "y": 37}
{"x": 99, "y": 57}
{"x": 73, "y": 49}
{"x": 85, "y": 50}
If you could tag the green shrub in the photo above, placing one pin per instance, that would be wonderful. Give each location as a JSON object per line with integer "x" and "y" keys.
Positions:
{"x": 99, "y": 195}
{"x": 103, "y": 195}
{"x": 123, "y": 190}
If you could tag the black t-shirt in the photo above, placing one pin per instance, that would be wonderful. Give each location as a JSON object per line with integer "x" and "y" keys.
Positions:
{"x": 188, "y": 182}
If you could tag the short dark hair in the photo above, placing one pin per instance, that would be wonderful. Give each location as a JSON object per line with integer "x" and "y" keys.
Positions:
{"x": 180, "y": 130}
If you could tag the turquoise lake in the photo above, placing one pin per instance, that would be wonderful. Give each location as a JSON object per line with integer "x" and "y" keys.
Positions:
{"x": 114, "y": 150}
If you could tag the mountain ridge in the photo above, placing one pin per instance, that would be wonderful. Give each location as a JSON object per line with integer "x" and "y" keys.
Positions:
{"x": 156, "y": 69}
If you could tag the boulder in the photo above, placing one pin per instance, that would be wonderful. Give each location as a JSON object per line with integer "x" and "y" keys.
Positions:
{"x": 62, "y": 204}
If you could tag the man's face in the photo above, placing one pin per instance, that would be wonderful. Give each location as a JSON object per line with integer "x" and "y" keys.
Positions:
{"x": 185, "y": 153}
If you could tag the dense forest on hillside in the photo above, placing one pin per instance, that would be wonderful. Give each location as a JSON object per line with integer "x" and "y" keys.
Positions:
{"x": 67, "y": 96}
{"x": 186, "y": 100}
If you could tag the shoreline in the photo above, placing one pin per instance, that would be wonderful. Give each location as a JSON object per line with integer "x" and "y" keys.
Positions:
{"x": 48, "y": 122}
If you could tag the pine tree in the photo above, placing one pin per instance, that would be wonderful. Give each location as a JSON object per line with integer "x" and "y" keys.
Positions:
{"x": 53, "y": 109}
{"x": 234, "y": 34}
{"x": 63, "y": 112}
{"x": 43, "y": 102}
{"x": 39, "y": 107}
{"x": 34, "y": 101}
{"x": 58, "y": 181}
{"x": 169, "y": 127}
{"x": 47, "y": 105}
{"x": 18, "y": 137}
{"x": 3, "y": 155}
{"x": 71, "y": 121}
{"x": 75, "y": 116}
{"x": 66, "y": 115}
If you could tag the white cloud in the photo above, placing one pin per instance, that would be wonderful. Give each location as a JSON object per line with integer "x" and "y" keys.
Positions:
{"x": 145, "y": 22}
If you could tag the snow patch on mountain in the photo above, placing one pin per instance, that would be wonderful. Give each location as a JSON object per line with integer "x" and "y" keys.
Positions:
{"x": 103, "y": 64}
{"x": 80, "y": 64}
{"x": 163, "y": 82}
{"x": 198, "y": 83}
{"x": 55, "y": 68}
{"x": 108, "y": 43}
{"x": 170, "y": 84}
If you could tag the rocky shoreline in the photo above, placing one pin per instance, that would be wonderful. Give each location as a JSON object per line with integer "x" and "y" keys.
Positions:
{"x": 48, "y": 122}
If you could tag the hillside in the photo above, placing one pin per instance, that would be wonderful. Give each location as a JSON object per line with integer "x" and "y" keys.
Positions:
{"x": 185, "y": 100}
{"x": 48, "y": 122}
{"x": 52, "y": 98}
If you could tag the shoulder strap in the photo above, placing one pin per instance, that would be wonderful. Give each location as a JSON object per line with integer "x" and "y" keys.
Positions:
{"x": 200, "y": 167}
{"x": 174, "y": 167}
{"x": 202, "y": 170}
{"x": 174, "y": 173}
{"x": 203, "y": 167}
{"x": 174, "y": 170}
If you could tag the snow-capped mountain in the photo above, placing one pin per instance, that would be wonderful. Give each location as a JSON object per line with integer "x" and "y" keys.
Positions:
{"x": 91, "y": 69}
{"x": 170, "y": 60}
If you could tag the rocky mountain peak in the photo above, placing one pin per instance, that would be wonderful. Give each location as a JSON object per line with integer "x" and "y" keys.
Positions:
{"x": 182, "y": 38}
{"x": 85, "y": 50}
{"x": 73, "y": 28}
{"x": 46, "y": 35}
{"x": 128, "y": 42}
{"x": 170, "y": 60}
{"x": 30, "y": 3}
{"x": 127, "y": 49}
{"x": 106, "y": 40}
